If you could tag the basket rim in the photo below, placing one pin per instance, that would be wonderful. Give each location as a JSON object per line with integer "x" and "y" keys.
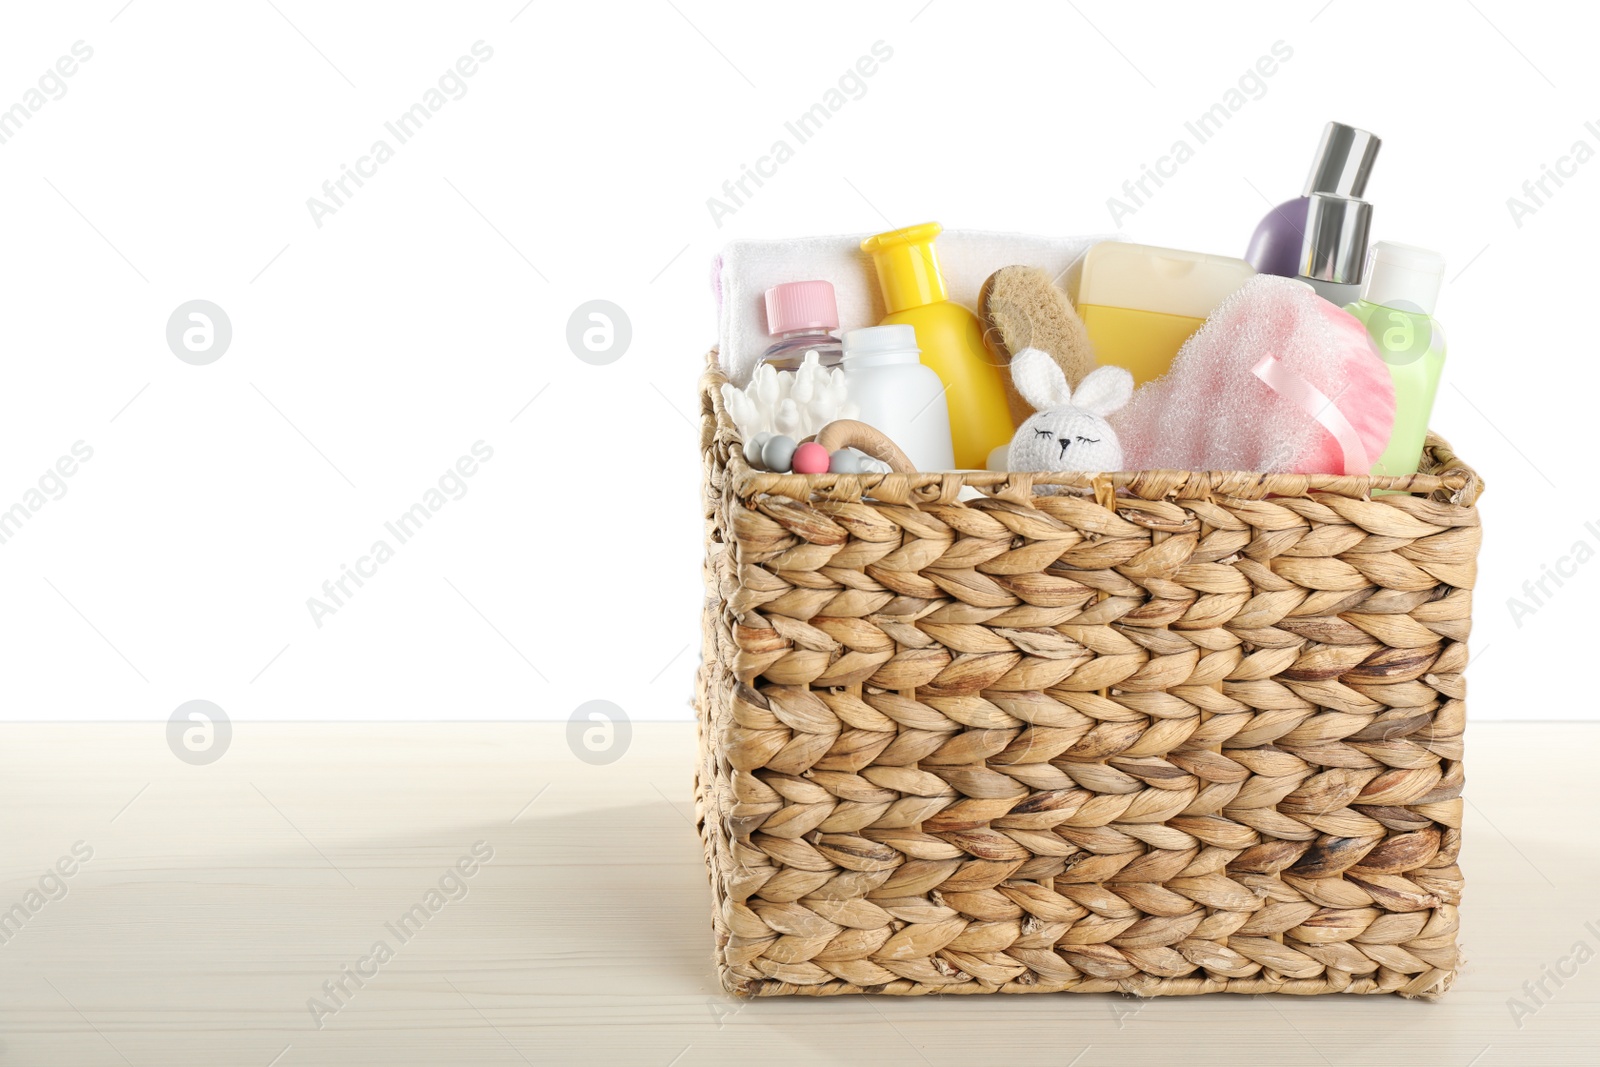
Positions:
{"x": 1453, "y": 483}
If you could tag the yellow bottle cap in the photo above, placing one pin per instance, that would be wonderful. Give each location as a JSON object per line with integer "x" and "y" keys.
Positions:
{"x": 908, "y": 267}
{"x": 1166, "y": 280}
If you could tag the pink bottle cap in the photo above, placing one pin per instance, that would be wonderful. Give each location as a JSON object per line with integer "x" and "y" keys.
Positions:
{"x": 801, "y": 306}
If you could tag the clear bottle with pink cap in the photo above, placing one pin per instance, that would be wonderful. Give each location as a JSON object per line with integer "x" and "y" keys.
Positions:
{"x": 802, "y": 316}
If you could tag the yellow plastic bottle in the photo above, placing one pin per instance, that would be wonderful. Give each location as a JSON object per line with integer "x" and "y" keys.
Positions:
{"x": 1140, "y": 303}
{"x": 950, "y": 338}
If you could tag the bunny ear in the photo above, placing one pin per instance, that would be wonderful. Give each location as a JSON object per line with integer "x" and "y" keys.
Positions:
{"x": 1104, "y": 390}
{"x": 1039, "y": 380}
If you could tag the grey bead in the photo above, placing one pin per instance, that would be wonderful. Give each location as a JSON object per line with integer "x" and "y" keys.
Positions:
{"x": 844, "y": 461}
{"x": 778, "y": 453}
{"x": 752, "y": 448}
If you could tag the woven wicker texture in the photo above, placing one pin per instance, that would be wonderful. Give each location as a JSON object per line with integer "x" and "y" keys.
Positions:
{"x": 1176, "y": 733}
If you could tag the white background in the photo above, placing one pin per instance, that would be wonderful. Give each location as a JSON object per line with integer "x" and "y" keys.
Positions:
{"x": 368, "y": 354}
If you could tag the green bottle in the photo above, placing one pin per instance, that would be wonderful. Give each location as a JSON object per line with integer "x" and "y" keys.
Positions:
{"x": 1396, "y": 307}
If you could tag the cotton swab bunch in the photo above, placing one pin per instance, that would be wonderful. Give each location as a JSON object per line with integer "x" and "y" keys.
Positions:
{"x": 792, "y": 404}
{"x": 780, "y": 408}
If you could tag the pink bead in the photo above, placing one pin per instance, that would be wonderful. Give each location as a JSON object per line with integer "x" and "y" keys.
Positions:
{"x": 810, "y": 458}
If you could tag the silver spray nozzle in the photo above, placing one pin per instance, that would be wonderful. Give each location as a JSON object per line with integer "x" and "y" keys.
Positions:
{"x": 1343, "y": 161}
{"x": 1335, "y": 245}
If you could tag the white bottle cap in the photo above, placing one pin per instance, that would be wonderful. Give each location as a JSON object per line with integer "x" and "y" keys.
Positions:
{"x": 895, "y": 340}
{"x": 1404, "y": 277}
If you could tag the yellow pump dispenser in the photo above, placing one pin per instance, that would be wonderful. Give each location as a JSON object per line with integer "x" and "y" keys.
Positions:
{"x": 950, "y": 337}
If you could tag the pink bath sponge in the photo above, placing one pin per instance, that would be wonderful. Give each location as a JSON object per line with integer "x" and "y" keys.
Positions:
{"x": 1277, "y": 380}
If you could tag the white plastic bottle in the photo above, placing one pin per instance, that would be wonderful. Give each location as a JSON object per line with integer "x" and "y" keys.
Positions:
{"x": 898, "y": 395}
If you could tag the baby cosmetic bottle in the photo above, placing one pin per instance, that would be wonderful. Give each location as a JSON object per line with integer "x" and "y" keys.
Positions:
{"x": 1140, "y": 303}
{"x": 1396, "y": 307}
{"x": 1342, "y": 165}
{"x": 898, "y": 395}
{"x": 802, "y": 317}
{"x": 950, "y": 338}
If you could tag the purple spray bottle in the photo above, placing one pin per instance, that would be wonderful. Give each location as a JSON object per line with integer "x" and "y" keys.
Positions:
{"x": 1338, "y": 181}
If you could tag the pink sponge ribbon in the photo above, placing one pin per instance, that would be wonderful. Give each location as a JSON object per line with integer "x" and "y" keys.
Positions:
{"x": 1314, "y": 402}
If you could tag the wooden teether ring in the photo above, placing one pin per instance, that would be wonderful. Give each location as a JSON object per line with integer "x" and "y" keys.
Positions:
{"x": 849, "y": 433}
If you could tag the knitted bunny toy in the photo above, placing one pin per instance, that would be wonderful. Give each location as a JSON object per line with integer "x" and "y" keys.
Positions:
{"x": 1068, "y": 431}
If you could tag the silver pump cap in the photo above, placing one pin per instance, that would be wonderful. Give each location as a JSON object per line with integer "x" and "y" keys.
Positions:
{"x": 1335, "y": 247}
{"x": 1343, "y": 162}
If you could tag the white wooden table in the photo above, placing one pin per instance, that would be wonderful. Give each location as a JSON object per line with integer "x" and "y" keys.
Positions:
{"x": 219, "y": 899}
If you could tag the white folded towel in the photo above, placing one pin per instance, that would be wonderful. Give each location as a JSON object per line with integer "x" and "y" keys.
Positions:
{"x": 744, "y": 271}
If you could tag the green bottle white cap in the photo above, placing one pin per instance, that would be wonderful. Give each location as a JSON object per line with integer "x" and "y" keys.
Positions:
{"x": 1404, "y": 277}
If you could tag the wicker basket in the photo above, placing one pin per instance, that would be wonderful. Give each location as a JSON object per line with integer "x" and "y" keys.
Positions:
{"x": 1175, "y": 732}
